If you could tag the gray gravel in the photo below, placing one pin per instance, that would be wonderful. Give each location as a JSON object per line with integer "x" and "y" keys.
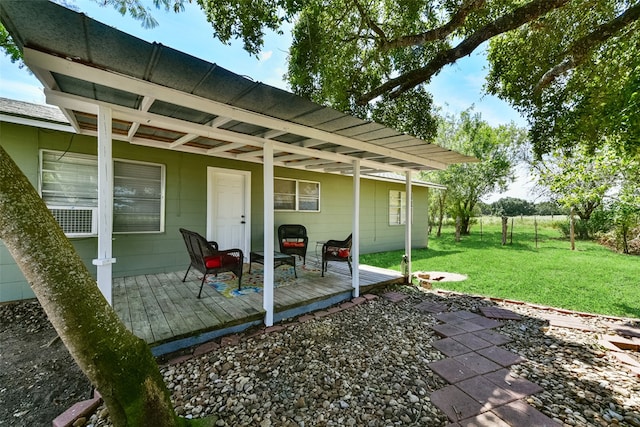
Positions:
{"x": 367, "y": 366}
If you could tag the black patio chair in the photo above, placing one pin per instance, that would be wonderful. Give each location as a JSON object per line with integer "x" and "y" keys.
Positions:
{"x": 293, "y": 240}
{"x": 336, "y": 250}
{"x": 208, "y": 259}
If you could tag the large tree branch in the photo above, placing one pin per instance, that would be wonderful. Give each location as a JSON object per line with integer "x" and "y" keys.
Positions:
{"x": 513, "y": 20}
{"x": 437, "y": 33}
{"x": 372, "y": 25}
{"x": 581, "y": 49}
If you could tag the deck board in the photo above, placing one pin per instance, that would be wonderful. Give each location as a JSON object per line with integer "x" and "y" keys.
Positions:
{"x": 160, "y": 308}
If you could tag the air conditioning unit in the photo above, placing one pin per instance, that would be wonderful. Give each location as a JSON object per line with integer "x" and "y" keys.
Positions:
{"x": 76, "y": 221}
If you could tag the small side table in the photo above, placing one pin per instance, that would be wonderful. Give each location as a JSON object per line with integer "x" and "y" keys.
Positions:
{"x": 278, "y": 260}
{"x": 319, "y": 243}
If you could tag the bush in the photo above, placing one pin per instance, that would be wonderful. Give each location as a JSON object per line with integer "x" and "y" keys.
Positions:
{"x": 601, "y": 222}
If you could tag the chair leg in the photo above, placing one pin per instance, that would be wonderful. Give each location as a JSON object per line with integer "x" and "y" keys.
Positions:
{"x": 201, "y": 285}
{"x": 350, "y": 269}
{"x": 185, "y": 274}
{"x": 323, "y": 267}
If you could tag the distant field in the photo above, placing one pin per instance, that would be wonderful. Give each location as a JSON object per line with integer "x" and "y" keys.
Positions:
{"x": 590, "y": 279}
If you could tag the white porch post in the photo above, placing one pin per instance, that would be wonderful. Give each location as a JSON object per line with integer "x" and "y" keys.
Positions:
{"x": 355, "y": 242}
{"x": 267, "y": 303}
{"x": 105, "y": 260}
{"x": 408, "y": 220}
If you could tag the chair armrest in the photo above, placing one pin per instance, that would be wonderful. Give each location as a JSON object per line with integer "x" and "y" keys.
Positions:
{"x": 236, "y": 253}
{"x": 335, "y": 243}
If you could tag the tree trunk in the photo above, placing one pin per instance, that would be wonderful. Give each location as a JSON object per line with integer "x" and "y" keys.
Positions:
{"x": 572, "y": 232}
{"x": 505, "y": 220}
{"x": 465, "y": 225}
{"x": 118, "y": 364}
{"x": 457, "y": 229}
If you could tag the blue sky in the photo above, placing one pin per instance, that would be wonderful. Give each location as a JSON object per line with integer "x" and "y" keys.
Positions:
{"x": 456, "y": 88}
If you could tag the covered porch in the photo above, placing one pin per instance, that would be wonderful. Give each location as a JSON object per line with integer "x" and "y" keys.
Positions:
{"x": 164, "y": 311}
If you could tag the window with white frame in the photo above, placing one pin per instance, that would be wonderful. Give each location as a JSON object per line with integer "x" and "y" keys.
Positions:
{"x": 69, "y": 186}
{"x": 296, "y": 195}
{"x": 397, "y": 207}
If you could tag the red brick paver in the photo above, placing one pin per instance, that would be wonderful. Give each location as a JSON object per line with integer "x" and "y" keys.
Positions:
{"x": 486, "y": 323}
{"x": 626, "y": 330}
{"x": 452, "y": 370}
{"x": 450, "y": 347}
{"x": 449, "y": 317}
{"x": 447, "y": 330}
{"x": 472, "y": 340}
{"x": 456, "y": 404}
{"x": 230, "y": 340}
{"x": 493, "y": 337}
{"x": 486, "y": 392}
{"x": 205, "y": 348}
{"x": 501, "y": 356}
{"x": 519, "y": 413}
{"x": 431, "y": 307}
{"x": 567, "y": 322}
{"x": 499, "y": 313}
{"x": 477, "y": 363}
{"x": 80, "y": 409}
{"x": 395, "y": 296}
{"x": 622, "y": 342}
{"x": 520, "y": 386}
{"x": 488, "y": 419}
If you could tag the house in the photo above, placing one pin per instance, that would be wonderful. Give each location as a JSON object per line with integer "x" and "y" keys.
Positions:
{"x": 152, "y": 139}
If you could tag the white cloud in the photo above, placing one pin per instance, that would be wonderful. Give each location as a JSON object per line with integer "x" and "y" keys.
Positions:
{"x": 264, "y": 56}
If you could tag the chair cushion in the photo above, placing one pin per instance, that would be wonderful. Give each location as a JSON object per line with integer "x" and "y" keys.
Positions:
{"x": 217, "y": 261}
{"x": 288, "y": 244}
{"x": 338, "y": 252}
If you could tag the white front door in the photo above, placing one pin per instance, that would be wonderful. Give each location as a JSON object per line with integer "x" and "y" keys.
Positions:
{"x": 228, "y": 208}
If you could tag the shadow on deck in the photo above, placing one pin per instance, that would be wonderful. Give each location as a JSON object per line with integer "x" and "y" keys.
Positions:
{"x": 164, "y": 311}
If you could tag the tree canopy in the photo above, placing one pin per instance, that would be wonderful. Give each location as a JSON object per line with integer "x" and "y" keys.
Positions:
{"x": 575, "y": 74}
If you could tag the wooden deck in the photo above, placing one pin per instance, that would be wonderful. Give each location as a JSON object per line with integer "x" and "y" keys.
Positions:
{"x": 164, "y": 311}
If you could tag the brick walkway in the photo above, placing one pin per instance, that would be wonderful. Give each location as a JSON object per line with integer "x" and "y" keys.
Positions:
{"x": 482, "y": 392}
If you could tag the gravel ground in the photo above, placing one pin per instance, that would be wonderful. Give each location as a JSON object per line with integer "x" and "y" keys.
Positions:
{"x": 367, "y": 366}
{"x": 38, "y": 378}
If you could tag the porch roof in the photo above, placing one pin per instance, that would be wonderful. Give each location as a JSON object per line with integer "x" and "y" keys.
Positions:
{"x": 164, "y": 98}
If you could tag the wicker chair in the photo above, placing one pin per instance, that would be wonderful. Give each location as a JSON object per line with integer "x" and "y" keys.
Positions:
{"x": 293, "y": 240}
{"x": 336, "y": 250}
{"x": 207, "y": 259}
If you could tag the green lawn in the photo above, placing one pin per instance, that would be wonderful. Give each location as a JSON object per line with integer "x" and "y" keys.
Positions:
{"x": 590, "y": 279}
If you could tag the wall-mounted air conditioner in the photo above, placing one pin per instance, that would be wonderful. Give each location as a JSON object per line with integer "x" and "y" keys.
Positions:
{"x": 76, "y": 221}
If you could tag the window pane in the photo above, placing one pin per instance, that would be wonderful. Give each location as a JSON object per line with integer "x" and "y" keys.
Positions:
{"x": 309, "y": 197}
{"x": 137, "y": 197}
{"x": 309, "y": 204}
{"x": 69, "y": 179}
{"x": 397, "y": 206}
{"x": 284, "y": 197}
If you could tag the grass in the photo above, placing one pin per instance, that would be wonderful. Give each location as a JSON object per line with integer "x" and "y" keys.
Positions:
{"x": 590, "y": 279}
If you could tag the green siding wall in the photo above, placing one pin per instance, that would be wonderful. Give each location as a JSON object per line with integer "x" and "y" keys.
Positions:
{"x": 185, "y": 206}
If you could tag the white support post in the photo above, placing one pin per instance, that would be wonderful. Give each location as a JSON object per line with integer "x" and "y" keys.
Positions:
{"x": 268, "y": 299}
{"x": 408, "y": 220}
{"x": 355, "y": 243}
{"x": 105, "y": 259}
